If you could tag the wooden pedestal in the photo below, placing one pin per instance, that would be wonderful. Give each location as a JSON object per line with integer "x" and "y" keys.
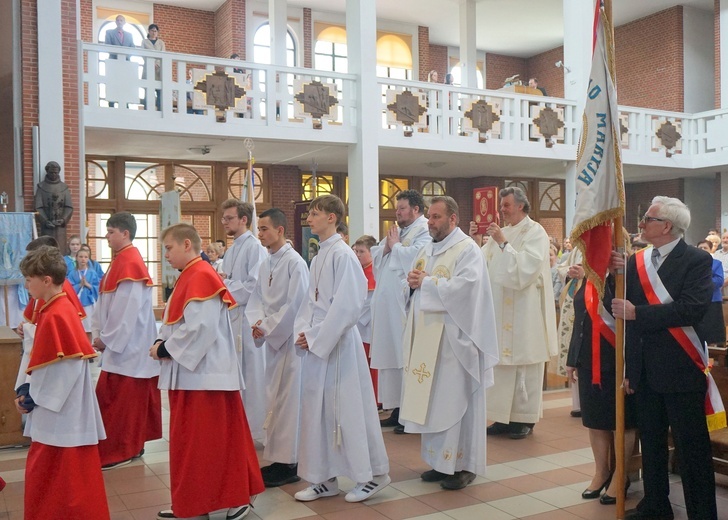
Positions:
{"x": 11, "y": 350}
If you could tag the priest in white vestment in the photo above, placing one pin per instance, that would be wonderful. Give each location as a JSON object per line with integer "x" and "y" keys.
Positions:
{"x": 240, "y": 265}
{"x": 520, "y": 275}
{"x": 449, "y": 350}
{"x": 392, "y": 260}
{"x": 271, "y": 311}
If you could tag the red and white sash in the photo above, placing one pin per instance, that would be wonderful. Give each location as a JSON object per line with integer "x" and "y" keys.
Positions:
{"x": 602, "y": 325}
{"x": 686, "y": 337}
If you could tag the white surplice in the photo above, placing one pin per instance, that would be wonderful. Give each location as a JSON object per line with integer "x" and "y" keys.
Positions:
{"x": 453, "y": 434}
{"x": 523, "y": 296}
{"x": 340, "y": 433}
{"x": 67, "y": 412}
{"x": 124, "y": 320}
{"x": 281, "y": 288}
{"x": 241, "y": 264}
{"x": 388, "y": 312}
{"x": 202, "y": 346}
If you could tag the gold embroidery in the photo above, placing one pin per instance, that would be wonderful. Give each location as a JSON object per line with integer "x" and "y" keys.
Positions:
{"x": 447, "y": 454}
{"x": 406, "y": 242}
{"x": 420, "y": 265}
{"x": 507, "y": 301}
{"x": 508, "y": 327}
{"x": 507, "y": 352}
{"x": 421, "y": 373}
{"x": 441, "y": 272}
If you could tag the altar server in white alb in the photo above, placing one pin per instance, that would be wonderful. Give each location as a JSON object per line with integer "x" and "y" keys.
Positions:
{"x": 63, "y": 471}
{"x": 450, "y": 350}
{"x": 123, "y": 328}
{"x": 340, "y": 433}
{"x": 392, "y": 260}
{"x": 271, "y": 310}
{"x": 520, "y": 275}
{"x": 211, "y": 468}
{"x": 240, "y": 265}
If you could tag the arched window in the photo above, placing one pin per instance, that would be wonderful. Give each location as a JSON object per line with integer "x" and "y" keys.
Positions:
{"x": 330, "y": 50}
{"x": 394, "y": 56}
{"x": 457, "y": 74}
{"x": 261, "y": 46}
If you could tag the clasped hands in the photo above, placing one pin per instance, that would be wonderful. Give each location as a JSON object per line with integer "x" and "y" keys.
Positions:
{"x": 392, "y": 238}
{"x": 415, "y": 277}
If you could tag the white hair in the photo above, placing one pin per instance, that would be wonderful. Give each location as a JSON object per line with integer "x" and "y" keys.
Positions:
{"x": 675, "y": 211}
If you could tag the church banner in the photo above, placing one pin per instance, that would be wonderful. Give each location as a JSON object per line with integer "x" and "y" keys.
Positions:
{"x": 599, "y": 181}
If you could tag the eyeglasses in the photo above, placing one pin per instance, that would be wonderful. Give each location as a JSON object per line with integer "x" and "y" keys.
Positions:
{"x": 646, "y": 218}
{"x": 227, "y": 219}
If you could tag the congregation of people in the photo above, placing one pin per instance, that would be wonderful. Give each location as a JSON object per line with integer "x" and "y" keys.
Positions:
{"x": 449, "y": 330}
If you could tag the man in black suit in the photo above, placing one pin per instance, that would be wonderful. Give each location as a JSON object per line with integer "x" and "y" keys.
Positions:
{"x": 669, "y": 387}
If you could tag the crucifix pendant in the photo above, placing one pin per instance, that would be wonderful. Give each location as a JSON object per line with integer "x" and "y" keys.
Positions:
{"x": 270, "y": 279}
{"x": 316, "y": 295}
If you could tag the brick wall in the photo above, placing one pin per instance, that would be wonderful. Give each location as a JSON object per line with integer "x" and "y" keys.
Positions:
{"x": 29, "y": 59}
{"x": 71, "y": 111}
{"x": 286, "y": 181}
{"x": 638, "y": 196}
{"x": 307, "y": 38}
{"x": 716, "y": 44}
{"x": 438, "y": 61}
{"x": 541, "y": 67}
{"x": 189, "y": 31}
{"x": 423, "y": 46}
{"x": 229, "y": 28}
{"x": 499, "y": 67}
{"x": 87, "y": 20}
{"x": 650, "y": 61}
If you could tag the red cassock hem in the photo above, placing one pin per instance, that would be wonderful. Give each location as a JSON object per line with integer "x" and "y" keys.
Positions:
{"x": 213, "y": 464}
{"x": 132, "y": 412}
{"x": 64, "y": 483}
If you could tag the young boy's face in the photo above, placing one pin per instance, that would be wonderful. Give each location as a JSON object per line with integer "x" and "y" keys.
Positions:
{"x": 363, "y": 254}
{"x": 38, "y": 286}
{"x": 177, "y": 253}
{"x": 319, "y": 221}
{"x": 117, "y": 238}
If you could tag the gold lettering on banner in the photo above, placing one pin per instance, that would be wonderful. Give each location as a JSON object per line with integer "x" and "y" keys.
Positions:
{"x": 421, "y": 373}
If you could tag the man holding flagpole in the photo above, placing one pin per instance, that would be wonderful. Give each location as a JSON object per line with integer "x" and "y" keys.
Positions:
{"x": 669, "y": 288}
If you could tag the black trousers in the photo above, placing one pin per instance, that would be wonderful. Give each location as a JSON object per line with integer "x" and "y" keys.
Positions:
{"x": 684, "y": 413}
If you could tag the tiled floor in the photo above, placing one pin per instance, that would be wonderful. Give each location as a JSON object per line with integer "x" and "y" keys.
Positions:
{"x": 541, "y": 477}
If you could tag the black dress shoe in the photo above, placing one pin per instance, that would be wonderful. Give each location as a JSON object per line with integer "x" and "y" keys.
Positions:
{"x": 609, "y": 500}
{"x": 520, "y": 431}
{"x": 636, "y": 514}
{"x": 498, "y": 429}
{"x": 433, "y": 476}
{"x": 392, "y": 420}
{"x": 399, "y": 430}
{"x": 594, "y": 493}
{"x": 575, "y": 413}
{"x": 457, "y": 481}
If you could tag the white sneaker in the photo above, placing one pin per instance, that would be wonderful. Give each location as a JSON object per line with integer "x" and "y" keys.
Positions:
{"x": 237, "y": 513}
{"x": 167, "y": 514}
{"x": 330, "y": 488}
{"x": 365, "y": 490}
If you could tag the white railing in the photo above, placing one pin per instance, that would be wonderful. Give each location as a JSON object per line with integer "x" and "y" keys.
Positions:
{"x": 446, "y": 108}
{"x": 123, "y": 85}
{"x": 153, "y": 91}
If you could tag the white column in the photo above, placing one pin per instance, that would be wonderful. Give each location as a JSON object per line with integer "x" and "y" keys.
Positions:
{"x": 723, "y": 201}
{"x": 361, "y": 39}
{"x": 467, "y": 44}
{"x": 569, "y": 196}
{"x": 578, "y": 23}
{"x": 50, "y": 84}
{"x": 278, "y": 19}
{"x": 723, "y": 54}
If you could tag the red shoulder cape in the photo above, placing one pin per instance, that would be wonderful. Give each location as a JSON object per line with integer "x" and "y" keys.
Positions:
{"x": 369, "y": 273}
{"x": 59, "y": 334}
{"x": 197, "y": 282}
{"x": 127, "y": 265}
{"x": 31, "y": 310}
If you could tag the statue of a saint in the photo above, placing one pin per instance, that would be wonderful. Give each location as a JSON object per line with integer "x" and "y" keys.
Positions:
{"x": 53, "y": 204}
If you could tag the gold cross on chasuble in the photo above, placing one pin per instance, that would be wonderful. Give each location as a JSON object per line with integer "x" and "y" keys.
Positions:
{"x": 421, "y": 373}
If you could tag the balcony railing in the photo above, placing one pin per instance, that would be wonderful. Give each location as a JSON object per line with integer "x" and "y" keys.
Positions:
{"x": 123, "y": 85}
{"x": 148, "y": 90}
